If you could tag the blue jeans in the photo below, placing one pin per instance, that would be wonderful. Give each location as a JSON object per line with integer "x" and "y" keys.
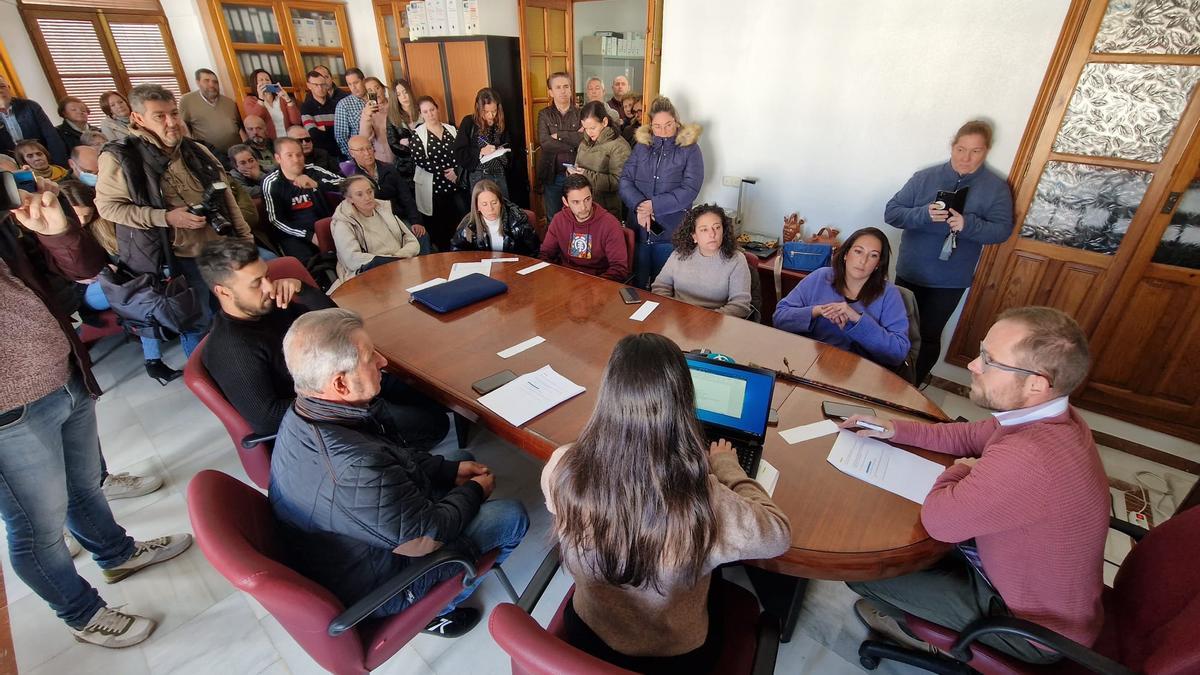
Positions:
{"x": 191, "y": 271}
{"x": 50, "y": 475}
{"x": 552, "y": 194}
{"x": 93, "y": 296}
{"x": 649, "y": 257}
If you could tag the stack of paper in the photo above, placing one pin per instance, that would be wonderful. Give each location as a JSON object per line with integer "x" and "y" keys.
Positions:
{"x": 459, "y": 270}
{"x": 873, "y": 461}
{"x": 530, "y": 395}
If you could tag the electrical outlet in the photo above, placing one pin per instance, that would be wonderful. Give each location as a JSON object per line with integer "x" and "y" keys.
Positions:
{"x": 731, "y": 181}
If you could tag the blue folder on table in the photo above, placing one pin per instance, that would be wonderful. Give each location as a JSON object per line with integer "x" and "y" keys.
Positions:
{"x": 459, "y": 293}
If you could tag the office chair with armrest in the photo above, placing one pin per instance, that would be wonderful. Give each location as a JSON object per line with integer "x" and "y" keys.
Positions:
{"x": 749, "y": 642}
{"x": 240, "y": 537}
{"x": 908, "y": 369}
{"x": 324, "y": 228}
{"x": 1151, "y": 616}
{"x": 755, "y": 288}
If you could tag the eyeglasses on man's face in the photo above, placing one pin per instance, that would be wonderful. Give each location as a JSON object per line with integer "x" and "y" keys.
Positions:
{"x": 988, "y": 362}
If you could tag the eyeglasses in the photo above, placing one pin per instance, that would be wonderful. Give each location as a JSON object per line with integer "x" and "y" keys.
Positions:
{"x": 306, "y": 139}
{"x": 989, "y": 363}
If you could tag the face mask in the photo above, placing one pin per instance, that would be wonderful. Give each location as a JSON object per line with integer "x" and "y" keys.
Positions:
{"x": 88, "y": 179}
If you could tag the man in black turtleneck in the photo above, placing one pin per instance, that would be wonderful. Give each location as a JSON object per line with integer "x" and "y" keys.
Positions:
{"x": 244, "y": 352}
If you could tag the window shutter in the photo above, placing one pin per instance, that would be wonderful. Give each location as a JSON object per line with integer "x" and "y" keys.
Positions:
{"x": 112, "y": 5}
{"x": 78, "y": 57}
{"x": 143, "y": 52}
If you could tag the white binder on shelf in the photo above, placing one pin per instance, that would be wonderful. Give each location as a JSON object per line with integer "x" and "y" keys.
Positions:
{"x": 470, "y": 10}
{"x": 329, "y": 33}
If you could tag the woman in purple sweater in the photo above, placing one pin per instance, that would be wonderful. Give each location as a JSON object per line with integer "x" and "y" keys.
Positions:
{"x": 851, "y": 305}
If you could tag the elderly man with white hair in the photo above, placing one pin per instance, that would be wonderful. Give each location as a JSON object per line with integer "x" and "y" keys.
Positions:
{"x": 359, "y": 505}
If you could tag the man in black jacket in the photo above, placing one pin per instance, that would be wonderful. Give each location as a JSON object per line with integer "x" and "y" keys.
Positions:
{"x": 294, "y": 195}
{"x": 358, "y": 504}
{"x": 244, "y": 352}
{"x": 22, "y": 119}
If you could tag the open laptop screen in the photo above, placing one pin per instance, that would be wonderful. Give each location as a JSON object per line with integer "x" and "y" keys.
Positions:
{"x": 732, "y": 396}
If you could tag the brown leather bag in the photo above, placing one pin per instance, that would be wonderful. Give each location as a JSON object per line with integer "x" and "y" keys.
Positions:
{"x": 793, "y": 228}
{"x": 826, "y": 235}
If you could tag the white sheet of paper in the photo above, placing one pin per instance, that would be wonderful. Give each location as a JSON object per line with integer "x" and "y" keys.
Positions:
{"x": 533, "y": 268}
{"x": 768, "y": 476}
{"x": 644, "y": 311}
{"x": 496, "y": 260}
{"x": 427, "y": 284}
{"x": 518, "y": 348}
{"x": 530, "y": 395}
{"x": 498, "y": 153}
{"x": 807, "y": 431}
{"x": 873, "y": 461}
{"x": 463, "y": 269}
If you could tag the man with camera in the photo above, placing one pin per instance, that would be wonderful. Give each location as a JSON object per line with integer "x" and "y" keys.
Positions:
{"x": 157, "y": 177}
{"x": 50, "y": 463}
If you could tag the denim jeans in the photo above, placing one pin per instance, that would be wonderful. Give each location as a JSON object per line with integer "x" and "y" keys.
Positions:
{"x": 552, "y": 194}
{"x": 648, "y": 256}
{"x": 50, "y": 475}
{"x": 189, "y": 339}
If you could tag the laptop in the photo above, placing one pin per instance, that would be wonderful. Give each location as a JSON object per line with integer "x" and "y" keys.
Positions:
{"x": 733, "y": 402}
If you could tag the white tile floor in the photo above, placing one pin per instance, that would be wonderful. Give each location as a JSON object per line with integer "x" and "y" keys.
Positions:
{"x": 205, "y": 626}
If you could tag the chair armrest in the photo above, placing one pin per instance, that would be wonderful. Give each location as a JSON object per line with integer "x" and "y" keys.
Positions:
{"x": 1066, "y": 647}
{"x": 540, "y": 581}
{"x": 768, "y": 645}
{"x": 1125, "y": 527}
{"x": 252, "y": 440}
{"x": 397, "y": 584}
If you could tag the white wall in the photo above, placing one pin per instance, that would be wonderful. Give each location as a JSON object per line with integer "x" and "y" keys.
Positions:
{"x": 364, "y": 36}
{"x": 183, "y": 16}
{"x": 832, "y": 106}
{"x": 24, "y": 59}
{"x": 626, "y": 16}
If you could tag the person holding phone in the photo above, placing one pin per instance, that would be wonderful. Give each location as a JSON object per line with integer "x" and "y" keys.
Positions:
{"x": 373, "y": 122}
{"x": 659, "y": 183}
{"x": 851, "y": 304}
{"x": 601, "y": 156}
{"x": 272, "y": 103}
{"x": 938, "y": 272}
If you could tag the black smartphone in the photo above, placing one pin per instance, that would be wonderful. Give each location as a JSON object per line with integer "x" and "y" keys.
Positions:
{"x": 25, "y": 180}
{"x": 493, "y": 382}
{"x": 655, "y": 227}
{"x": 371, "y": 97}
{"x": 630, "y": 295}
{"x": 844, "y": 410}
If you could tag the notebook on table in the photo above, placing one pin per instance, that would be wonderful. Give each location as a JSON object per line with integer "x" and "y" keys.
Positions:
{"x": 733, "y": 402}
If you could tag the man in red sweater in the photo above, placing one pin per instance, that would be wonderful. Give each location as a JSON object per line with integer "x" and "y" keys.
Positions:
{"x": 1027, "y": 501}
{"x": 584, "y": 236}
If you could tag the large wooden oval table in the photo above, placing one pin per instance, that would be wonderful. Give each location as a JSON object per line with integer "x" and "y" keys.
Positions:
{"x": 842, "y": 528}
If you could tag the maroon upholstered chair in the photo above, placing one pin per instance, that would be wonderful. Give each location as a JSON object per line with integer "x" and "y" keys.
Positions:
{"x": 240, "y": 537}
{"x": 324, "y": 235}
{"x": 287, "y": 267}
{"x": 106, "y": 323}
{"x": 1151, "y": 616}
{"x": 749, "y": 642}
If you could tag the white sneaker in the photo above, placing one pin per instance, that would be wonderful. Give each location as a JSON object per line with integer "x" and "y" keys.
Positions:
{"x": 126, "y": 486}
{"x": 73, "y": 546}
{"x": 113, "y": 629}
{"x": 147, "y": 553}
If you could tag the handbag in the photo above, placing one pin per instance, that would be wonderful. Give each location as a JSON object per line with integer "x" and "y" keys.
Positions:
{"x": 152, "y": 304}
{"x": 826, "y": 235}
{"x": 800, "y": 256}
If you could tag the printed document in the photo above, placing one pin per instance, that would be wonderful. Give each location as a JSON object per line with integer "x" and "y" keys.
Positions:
{"x": 495, "y": 154}
{"x": 530, "y": 395}
{"x": 873, "y": 461}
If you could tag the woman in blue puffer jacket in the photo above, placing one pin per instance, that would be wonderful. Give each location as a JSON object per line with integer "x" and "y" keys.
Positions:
{"x": 659, "y": 182}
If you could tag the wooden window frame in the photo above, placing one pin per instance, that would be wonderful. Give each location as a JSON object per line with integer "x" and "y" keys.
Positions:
{"x": 10, "y": 73}
{"x": 395, "y": 9}
{"x": 100, "y": 19}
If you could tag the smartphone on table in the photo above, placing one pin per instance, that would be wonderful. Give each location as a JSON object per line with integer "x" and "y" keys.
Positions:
{"x": 493, "y": 382}
{"x": 844, "y": 411}
{"x": 630, "y": 295}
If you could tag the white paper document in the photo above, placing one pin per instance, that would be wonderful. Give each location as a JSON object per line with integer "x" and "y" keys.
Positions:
{"x": 427, "y": 284}
{"x": 530, "y": 395}
{"x": 463, "y": 269}
{"x": 644, "y": 311}
{"x": 533, "y": 268}
{"x": 808, "y": 431}
{"x": 767, "y": 476}
{"x": 496, "y": 260}
{"x": 873, "y": 461}
{"x": 518, "y": 348}
{"x": 495, "y": 154}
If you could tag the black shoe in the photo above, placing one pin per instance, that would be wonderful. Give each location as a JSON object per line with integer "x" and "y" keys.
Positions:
{"x": 160, "y": 371}
{"x": 454, "y": 623}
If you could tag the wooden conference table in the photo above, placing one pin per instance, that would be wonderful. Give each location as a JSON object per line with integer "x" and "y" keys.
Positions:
{"x": 842, "y": 528}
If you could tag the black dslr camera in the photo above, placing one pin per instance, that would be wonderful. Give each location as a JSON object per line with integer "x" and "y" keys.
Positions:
{"x": 210, "y": 207}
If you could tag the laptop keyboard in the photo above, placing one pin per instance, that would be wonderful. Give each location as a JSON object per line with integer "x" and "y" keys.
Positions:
{"x": 748, "y": 458}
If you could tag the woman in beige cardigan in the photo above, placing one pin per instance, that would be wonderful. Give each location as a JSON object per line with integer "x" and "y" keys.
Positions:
{"x": 366, "y": 233}
{"x": 644, "y": 510}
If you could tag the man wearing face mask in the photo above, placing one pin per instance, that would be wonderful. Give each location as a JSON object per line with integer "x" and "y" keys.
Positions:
{"x": 85, "y": 164}
{"x": 156, "y": 177}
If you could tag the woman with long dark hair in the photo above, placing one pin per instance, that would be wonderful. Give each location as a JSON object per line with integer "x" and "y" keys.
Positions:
{"x": 494, "y": 224}
{"x": 706, "y": 268}
{"x": 402, "y": 117}
{"x": 851, "y": 304}
{"x": 479, "y": 135}
{"x": 644, "y": 510}
{"x": 601, "y": 156}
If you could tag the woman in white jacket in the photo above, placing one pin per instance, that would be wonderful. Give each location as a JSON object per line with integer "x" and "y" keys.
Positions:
{"x": 366, "y": 233}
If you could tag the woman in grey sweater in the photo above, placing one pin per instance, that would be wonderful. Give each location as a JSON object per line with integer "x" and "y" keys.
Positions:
{"x": 706, "y": 268}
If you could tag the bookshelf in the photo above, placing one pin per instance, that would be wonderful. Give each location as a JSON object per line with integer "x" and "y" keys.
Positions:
{"x": 287, "y": 38}
{"x": 606, "y": 58}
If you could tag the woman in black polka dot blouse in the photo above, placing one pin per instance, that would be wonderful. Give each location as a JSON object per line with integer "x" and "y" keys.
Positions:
{"x": 437, "y": 174}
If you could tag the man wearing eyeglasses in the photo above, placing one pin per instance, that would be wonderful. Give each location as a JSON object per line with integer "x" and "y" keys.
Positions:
{"x": 313, "y": 154}
{"x": 1026, "y": 502}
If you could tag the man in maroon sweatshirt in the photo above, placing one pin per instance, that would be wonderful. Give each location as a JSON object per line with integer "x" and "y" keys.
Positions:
{"x": 584, "y": 236}
{"x": 1027, "y": 501}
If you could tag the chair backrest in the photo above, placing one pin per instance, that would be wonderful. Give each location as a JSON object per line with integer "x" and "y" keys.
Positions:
{"x": 914, "y": 334}
{"x": 535, "y": 651}
{"x": 256, "y": 459}
{"x": 1155, "y": 603}
{"x": 630, "y": 243}
{"x": 240, "y": 537}
{"x": 348, "y": 167}
{"x": 324, "y": 235}
{"x": 288, "y": 267}
{"x": 755, "y": 288}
